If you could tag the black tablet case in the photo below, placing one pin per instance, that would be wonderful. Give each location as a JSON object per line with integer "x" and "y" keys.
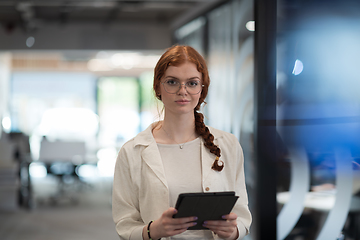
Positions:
{"x": 205, "y": 206}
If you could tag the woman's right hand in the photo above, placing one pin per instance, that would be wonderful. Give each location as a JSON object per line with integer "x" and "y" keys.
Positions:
{"x": 167, "y": 226}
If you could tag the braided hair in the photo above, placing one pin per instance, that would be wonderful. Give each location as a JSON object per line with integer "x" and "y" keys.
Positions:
{"x": 174, "y": 56}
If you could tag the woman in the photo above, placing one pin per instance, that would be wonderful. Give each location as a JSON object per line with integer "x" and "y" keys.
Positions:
{"x": 176, "y": 155}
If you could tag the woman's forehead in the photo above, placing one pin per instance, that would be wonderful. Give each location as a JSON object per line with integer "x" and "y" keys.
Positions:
{"x": 186, "y": 69}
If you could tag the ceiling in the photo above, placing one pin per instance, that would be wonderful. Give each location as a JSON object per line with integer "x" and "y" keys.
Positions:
{"x": 31, "y": 15}
{"x": 65, "y": 28}
{"x": 94, "y": 24}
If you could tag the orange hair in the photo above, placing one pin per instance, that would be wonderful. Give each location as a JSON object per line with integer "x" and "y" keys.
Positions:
{"x": 175, "y": 56}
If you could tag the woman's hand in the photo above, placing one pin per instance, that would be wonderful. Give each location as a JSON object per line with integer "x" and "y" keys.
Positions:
{"x": 167, "y": 226}
{"x": 224, "y": 229}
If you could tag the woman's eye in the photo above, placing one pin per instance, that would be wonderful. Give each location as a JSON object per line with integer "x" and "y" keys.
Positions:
{"x": 192, "y": 83}
{"x": 172, "y": 82}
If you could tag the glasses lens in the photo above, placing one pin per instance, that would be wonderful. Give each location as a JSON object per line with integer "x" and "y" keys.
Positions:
{"x": 193, "y": 87}
{"x": 173, "y": 86}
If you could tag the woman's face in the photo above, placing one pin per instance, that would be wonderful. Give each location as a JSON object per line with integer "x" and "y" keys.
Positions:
{"x": 180, "y": 102}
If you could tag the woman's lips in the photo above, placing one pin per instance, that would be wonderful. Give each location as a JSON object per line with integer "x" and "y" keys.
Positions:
{"x": 183, "y": 101}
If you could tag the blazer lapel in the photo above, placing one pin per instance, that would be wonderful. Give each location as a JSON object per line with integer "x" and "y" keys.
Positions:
{"x": 152, "y": 158}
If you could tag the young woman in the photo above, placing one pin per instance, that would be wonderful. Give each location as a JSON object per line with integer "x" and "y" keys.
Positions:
{"x": 177, "y": 155}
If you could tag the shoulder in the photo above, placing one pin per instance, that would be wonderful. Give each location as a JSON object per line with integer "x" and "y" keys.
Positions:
{"x": 129, "y": 153}
{"x": 135, "y": 146}
{"x": 128, "y": 145}
{"x": 227, "y": 142}
{"x": 143, "y": 138}
{"x": 231, "y": 150}
{"x": 218, "y": 134}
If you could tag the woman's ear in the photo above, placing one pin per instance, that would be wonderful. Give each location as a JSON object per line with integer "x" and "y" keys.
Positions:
{"x": 157, "y": 91}
{"x": 158, "y": 95}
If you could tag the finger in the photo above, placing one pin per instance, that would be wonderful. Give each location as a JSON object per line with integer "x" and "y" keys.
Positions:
{"x": 220, "y": 224}
{"x": 217, "y": 229}
{"x": 170, "y": 212}
{"x": 231, "y": 216}
{"x": 211, "y": 224}
{"x": 183, "y": 221}
{"x": 222, "y": 230}
{"x": 185, "y": 225}
{"x": 224, "y": 235}
{"x": 172, "y": 230}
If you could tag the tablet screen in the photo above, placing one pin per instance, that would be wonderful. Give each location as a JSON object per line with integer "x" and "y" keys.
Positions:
{"x": 205, "y": 206}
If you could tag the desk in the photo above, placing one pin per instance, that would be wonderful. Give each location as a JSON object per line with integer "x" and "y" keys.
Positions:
{"x": 64, "y": 151}
{"x": 61, "y": 159}
{"x": 320, "y": 201}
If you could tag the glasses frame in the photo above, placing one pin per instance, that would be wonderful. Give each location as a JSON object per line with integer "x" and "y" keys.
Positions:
{"x": 202, "y": 85}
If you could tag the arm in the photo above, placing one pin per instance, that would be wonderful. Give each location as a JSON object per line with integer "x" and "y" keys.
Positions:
{"x": 244, "y": 216}
{"x": 224, "y": 229}
{"x": 167, "y": 226}
{"x": 126, "y": 213}
{"x": 238, "y": 222}
{"x": 125, "y": 205}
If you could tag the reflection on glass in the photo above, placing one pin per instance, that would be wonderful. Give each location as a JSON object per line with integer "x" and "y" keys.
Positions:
{"x": 318, "y": 110}
{"x": 298, "y": 67}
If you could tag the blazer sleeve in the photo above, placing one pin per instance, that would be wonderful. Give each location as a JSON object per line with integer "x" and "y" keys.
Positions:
{"x": 244, "y": 216}
{"x": 125, "y": 205}
{"x": 232, "y": 149}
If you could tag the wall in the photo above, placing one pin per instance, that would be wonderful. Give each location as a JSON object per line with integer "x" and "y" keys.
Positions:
{"x": 5, "y": 63}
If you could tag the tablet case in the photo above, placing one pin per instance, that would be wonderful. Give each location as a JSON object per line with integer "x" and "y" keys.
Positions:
{"x": 205, "y": 206}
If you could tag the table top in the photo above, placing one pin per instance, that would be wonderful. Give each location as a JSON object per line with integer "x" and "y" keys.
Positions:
{"x": 321, "y": 201}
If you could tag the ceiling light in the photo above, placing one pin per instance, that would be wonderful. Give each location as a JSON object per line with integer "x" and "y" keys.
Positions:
{"x": 30, "y": 42}
{"x": 250, "y": 25}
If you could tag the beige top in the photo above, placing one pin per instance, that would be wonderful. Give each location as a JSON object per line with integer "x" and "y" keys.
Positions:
{"x": 182, "y": 168}
{"x": 183, "y": 174}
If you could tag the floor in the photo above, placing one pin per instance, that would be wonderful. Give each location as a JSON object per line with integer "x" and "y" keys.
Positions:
{"x": 84, "y": 214}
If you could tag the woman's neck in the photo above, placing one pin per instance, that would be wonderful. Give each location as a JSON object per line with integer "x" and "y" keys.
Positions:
{"x": 178, "y": 129}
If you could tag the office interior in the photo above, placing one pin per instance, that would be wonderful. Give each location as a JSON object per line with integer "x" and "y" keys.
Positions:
{"x": 76, "y": 80}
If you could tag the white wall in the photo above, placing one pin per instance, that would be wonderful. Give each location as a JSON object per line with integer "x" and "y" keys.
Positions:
{"x": 5, "y": 64}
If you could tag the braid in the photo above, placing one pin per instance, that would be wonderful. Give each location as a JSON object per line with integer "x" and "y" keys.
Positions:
{"x": 205, "y": 133}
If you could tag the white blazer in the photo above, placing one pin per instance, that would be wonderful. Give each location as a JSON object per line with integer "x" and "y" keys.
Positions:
{"x": 140, "y": 191}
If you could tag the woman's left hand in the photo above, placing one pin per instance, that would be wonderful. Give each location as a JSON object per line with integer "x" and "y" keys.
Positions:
{"x": 224, "y": 229}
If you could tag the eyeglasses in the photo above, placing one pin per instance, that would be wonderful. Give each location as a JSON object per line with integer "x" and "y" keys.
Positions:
{"x": 173, "y": 86}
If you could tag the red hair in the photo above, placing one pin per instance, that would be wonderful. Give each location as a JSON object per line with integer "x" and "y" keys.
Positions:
{"x": 176, "y": 56}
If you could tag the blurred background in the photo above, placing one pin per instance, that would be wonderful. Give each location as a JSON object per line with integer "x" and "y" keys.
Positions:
{"x": 76, "y": 83}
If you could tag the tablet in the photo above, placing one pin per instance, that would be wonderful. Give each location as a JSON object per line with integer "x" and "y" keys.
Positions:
{"x": 205, "y": 206}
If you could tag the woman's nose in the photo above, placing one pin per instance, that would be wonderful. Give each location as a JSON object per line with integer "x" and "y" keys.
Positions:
{"x": 182, "y": 89}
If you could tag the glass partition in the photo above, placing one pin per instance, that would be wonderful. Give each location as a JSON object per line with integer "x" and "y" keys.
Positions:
{"x": 318, "y": 120}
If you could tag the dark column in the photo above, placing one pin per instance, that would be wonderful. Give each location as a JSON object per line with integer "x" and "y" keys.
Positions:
{"x": 265, "y": 120}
